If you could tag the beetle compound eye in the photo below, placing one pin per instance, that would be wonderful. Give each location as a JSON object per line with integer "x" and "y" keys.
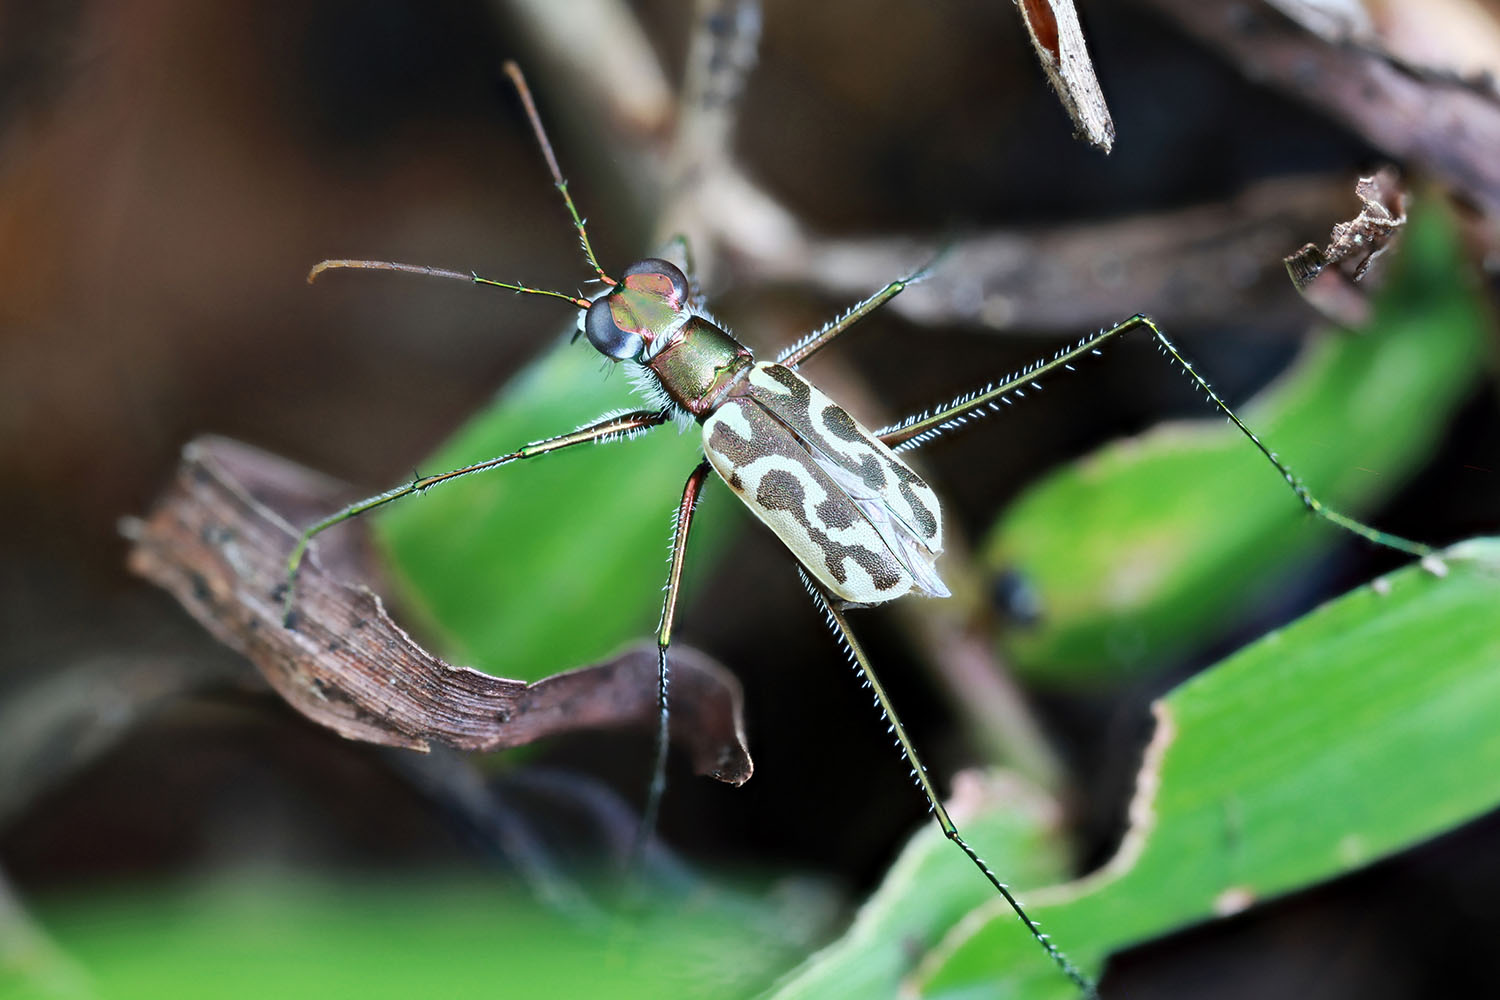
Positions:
{"x": 662, "y": 277}
{"x": 607, "y": 338}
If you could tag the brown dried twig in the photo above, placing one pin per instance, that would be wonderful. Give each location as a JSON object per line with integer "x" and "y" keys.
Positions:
{"x": 77, "y": 712}
{"x": 609, "y": 65}
{"x": 1447, "y": 128}
{"x": 1187, "y": 266}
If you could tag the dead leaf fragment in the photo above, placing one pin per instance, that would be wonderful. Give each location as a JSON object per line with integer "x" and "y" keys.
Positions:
{"x": 218, "y": 541}
{"x": 1326, "y": 276}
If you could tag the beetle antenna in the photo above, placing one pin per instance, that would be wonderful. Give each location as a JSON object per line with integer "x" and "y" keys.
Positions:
{"x": 514, "y": 72}
{"x": 439, "y": 272}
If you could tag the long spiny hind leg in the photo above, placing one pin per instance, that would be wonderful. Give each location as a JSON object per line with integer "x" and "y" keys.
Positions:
{"x": 682, "y": 523}
{"x": 861, "y": 662}
{"x": 915, "y": 431}
{"x": 609, "y": 428}
{"x": 819, "y": 339}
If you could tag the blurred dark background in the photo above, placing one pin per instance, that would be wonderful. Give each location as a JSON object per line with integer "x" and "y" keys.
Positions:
{"x": 169, "y": 171}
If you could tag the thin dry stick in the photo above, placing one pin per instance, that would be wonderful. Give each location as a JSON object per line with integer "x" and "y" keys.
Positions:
{"x": 1057, "y": 38}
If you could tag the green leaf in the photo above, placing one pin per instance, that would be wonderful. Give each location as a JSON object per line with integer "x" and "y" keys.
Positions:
{"x": 1363, "y": 728}
{"x": 287, "y": 937}
{"x": 545, "y": 564}
{"x": 1014, "y": 827}
{"x": 1154, "y": 545}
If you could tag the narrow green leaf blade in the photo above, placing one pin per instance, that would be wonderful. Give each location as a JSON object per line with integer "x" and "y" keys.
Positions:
{"x": 932, "y": 886}
{"x": 1153, "y": 545}
{"x": 1363, "y": 728}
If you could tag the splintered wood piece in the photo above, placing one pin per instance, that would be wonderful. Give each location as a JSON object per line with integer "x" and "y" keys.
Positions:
{"x": 1057, "y": 38}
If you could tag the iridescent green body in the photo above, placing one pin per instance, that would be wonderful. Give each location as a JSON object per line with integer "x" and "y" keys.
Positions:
{"x": 855, "y": 516}
{"x": 700, "y": 365}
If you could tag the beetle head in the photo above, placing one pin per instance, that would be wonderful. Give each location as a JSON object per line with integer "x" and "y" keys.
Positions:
{"x": 636, "y": 316}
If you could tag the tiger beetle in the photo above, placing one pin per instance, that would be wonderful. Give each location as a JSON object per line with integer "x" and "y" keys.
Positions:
{"x": 863, "y": 527}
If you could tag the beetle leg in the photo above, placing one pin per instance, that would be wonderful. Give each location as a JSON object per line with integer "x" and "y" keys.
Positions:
{"x": 610, "y": 428}
{"x": 913, "y": 432}
{"x": 839, "y": 625}
{"x": 682, "y": 522}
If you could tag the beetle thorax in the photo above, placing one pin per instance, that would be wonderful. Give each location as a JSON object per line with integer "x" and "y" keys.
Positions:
{"x": 699, "y": 365}
{"x": 651, "y": 318}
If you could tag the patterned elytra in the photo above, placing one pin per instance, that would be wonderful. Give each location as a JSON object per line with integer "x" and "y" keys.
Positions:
{"x": 857, "y": 517}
